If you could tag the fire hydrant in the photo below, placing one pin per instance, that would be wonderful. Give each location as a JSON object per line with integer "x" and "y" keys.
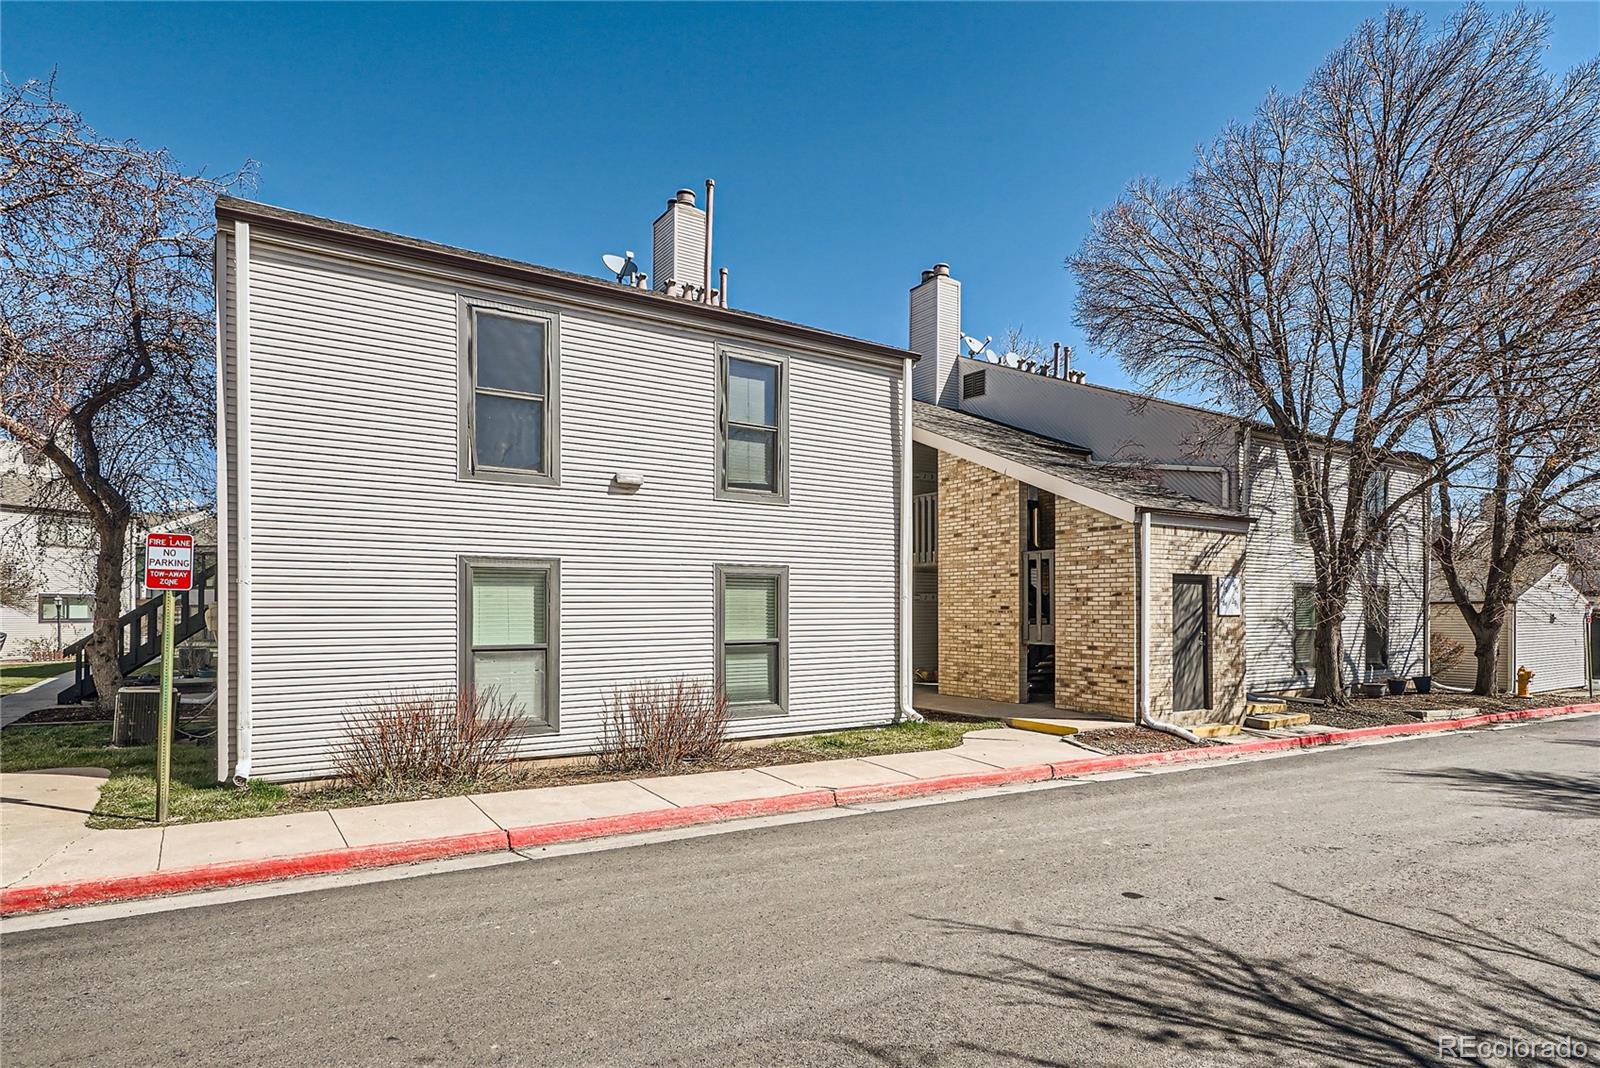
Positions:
{"x": 1523, "y": 675}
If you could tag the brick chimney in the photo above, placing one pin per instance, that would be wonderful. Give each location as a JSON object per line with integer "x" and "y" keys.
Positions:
{"x": 678, "y": 240}
{"x": 936, "y": 336}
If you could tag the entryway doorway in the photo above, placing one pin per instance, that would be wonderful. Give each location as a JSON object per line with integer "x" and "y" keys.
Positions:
{"x": 1191, "y": 644}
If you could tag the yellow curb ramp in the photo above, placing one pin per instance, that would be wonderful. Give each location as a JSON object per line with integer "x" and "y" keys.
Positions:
{"x": 1213, "y": 730}
{"x": 1267, "y": 721}
{"x": 1041, "y": 726}
{"x": 1255, "y": 708}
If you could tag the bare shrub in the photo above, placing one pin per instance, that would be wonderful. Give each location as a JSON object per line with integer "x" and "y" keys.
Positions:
{"x": 417, "y": 738}
{"x": 661, "y": 726}
{"x": 1444, "y": 653}
{"x": 37, "y": 649}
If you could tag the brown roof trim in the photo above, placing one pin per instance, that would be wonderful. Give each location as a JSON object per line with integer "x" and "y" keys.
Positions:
{"x": 230, "y": 209}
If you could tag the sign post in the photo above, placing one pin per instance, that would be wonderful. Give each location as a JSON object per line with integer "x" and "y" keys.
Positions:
{"x": 168, "y": 567}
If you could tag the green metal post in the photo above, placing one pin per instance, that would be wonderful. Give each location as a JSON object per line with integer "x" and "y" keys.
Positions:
{"x": 164, "y": 728}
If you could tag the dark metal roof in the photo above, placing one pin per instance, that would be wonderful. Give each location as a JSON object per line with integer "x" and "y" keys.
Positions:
{"x": 1065, "y": 460}
{"x": 285, "y": 220}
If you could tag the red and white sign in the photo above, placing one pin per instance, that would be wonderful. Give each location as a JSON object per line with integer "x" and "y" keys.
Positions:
{"x": 168, "y": 561}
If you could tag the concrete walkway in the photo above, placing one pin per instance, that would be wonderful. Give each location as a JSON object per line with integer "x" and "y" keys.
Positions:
{"x": 928, "y": 699}
{"x": 45, "y": 841}
{"x": 42, "y": 694}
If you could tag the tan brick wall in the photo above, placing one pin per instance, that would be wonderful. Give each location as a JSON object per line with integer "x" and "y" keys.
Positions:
{"x": 1096, "y": 606}
{"x": 980, "y": 629}
{"x": 1175, "y": 551}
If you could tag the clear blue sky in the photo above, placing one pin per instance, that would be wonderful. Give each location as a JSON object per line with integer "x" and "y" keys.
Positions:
{"x": 852, "y": 145}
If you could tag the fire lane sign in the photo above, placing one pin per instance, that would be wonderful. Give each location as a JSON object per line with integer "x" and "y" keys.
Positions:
{"x": 168, "y": 561}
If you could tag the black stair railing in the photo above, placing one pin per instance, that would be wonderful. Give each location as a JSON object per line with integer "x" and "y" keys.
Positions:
{"x": 139, "y": 635}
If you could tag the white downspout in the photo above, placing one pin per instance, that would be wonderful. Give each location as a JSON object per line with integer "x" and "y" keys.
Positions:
{"x": 220, "y": 282}
{"x": 241, "y": 320}
{"x": 1145, "y": 719}
{"x": 905, "y": 712}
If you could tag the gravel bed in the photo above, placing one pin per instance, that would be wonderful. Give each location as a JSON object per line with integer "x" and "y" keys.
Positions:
{"x": 1135, "y": 740}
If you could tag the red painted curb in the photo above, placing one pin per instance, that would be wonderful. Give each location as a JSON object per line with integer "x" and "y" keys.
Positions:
{"x": 977, "y": 780}
{"x": 1097, "y": 765}
{"x": 22, "y": 899}
{"x": 19, "y": 899}
{"x": 660, "y": 819}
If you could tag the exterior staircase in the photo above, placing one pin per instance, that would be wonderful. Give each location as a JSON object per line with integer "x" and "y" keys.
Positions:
{"x": 139, "y": 635}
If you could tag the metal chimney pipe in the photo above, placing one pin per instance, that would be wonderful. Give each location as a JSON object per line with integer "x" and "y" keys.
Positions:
{"x": 722, "y": 287}
{"x": 711, "y": 187}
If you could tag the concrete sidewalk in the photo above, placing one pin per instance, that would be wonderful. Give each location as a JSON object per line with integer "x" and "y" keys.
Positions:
{"x": 42, "y": 694}
{"x": 49, "y": 860}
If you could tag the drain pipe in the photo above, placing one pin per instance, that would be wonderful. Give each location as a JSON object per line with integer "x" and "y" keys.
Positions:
{"x": 242, "y": 662}
{"x": 1145, "y": 719}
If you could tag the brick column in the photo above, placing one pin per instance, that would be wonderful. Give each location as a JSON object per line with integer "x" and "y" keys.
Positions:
{"x": 1096, "y": 611}
{"x": 980, "y": 626}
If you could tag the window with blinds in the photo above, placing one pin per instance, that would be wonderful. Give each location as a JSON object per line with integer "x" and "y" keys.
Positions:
{"x": 510, "y": 361}
{"x": 509, "y": 636}
{"x": 752, "y": 426}
{"x": 751, "y": 625}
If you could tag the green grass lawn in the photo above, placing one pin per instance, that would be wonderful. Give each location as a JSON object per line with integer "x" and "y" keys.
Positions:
{"x": 14, "y": 677}
{"x": 129, "y": 797}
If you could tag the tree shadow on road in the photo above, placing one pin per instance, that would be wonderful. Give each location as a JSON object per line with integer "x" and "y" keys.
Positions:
{"x": 1542, "y": 791}
{"x": 1383, "y": 994}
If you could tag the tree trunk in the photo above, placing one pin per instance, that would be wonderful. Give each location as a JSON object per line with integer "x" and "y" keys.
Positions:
{"x": 104, "y": 642}
{"x": 1485, "y": 639}
{"x": 1327, "y": 659}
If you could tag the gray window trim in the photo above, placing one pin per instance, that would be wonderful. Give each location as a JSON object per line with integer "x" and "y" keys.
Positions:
{"x": 780, "y": 493}
{"x": 755, "y": 709}
{"x": 50, "y": 598}
{"x": 467, "y": 305}
{"x": 551, "y": 565}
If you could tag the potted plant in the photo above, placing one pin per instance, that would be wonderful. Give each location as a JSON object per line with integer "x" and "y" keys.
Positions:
{"x": 1423, "y": 683}
{"x": 1397, "y": 686}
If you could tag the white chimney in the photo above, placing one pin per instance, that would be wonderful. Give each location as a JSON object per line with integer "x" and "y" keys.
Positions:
{"x": 936, "y": 336}
{"x": 678, "y": 256}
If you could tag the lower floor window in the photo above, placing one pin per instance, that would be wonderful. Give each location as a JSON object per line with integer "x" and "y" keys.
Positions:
{"x": 1377, "y": 627}
{"x": 751, "y": 632}
{"x": 509, "y": 645}
{"x": 65, "y": 607}
{"x": 1305, "y": 625}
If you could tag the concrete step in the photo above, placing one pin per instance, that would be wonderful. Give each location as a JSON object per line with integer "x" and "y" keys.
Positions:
{"x": 1268, "y": 721}
{"x": 1213, "y": 730}
{"x": 1041, "y": 726}
{"x": 1266, "y": 707}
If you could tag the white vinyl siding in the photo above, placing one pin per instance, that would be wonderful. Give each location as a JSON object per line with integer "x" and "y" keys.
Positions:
{"x": 1448, "y": 622}
{"x": 1278, "y": 561}
{"x": 1549, "y": 634}
{"x": 359, "y": 513}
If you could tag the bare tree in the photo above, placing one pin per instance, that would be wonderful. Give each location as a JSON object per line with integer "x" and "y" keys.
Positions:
{"x": 1537, "y": 488}
{"x": 1325, "y": 266}
{"x": 106, "y": 336}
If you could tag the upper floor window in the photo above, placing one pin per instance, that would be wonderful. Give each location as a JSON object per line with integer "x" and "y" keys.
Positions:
{"x": 65, "y": 532}
{"x": 1375, "y": 501}
{"x": 751, "y": 456}
{"x": 510, "y": 416}
{"x": 1375, "y": 620}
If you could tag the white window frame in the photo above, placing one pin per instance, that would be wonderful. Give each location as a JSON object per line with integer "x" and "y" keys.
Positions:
{"x": 551, "y": 724}
{"x": 779, "y": 494}
{"x": 468, "y": 308}
{"x": 86, "y": 599}
{"x": 754, "y": 709}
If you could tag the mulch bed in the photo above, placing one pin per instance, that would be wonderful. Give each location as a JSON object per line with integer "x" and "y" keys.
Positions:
{"x": 1135, "y": 740}
{"x": 1409, "y": 707}
{"x": 65, "y": 714}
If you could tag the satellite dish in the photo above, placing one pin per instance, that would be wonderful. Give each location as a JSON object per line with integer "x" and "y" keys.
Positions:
{"x": 623, "y": 267}
{"x": 975, "y": 347}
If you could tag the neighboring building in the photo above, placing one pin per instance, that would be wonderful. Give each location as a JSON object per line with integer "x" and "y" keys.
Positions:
{"x": 54, "y": 543}
{"x": 1226, "y": 592}
{"x": 1543, "y": 629}
{"x": 441, "y": 467}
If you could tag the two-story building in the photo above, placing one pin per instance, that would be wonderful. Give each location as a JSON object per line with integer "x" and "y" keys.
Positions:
{"x": 1103, "y": 551}
{"x": 443, "y": 468}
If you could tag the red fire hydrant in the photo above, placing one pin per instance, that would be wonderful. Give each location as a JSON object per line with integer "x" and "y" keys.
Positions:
{"x": 1523, "y": 676}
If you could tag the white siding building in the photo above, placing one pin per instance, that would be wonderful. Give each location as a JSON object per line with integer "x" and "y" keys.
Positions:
{"x": 1543, "y": 630}
{"x": 443, "y": 467}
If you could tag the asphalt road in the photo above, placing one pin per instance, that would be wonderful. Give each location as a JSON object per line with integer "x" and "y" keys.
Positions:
{"x": 1342, "y": 908}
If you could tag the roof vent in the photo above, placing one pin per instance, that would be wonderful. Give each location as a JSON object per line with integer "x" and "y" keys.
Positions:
{"x": 974, "y": 384}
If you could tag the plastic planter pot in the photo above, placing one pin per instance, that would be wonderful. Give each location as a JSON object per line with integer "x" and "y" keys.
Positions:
{"x": 1397, "y": 686}
{"x": 1370, "y": 689}
{"x": 1423, "y": 683}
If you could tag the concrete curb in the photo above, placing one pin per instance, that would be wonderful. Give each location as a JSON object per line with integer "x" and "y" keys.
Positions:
{"x": 17, "y": 900}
